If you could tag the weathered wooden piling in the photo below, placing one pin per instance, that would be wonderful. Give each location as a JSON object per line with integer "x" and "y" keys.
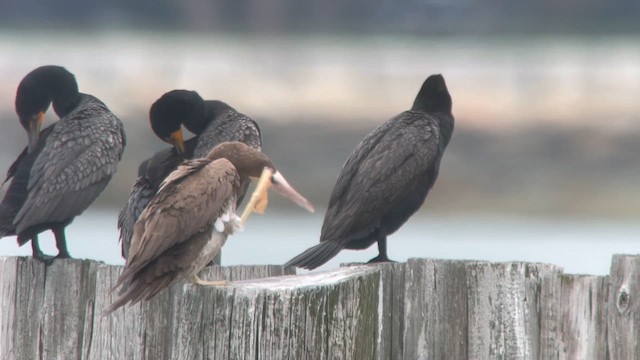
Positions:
{"x": 422, "y": 309}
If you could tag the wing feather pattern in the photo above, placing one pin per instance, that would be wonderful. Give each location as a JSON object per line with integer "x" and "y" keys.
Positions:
{"x": 141, "y": 194}
{"x": 189, "y": 200}
{"x": 75, "y": 165}
{"x": 388, "y": 161}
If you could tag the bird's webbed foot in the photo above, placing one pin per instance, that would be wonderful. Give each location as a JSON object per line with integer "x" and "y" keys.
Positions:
{"x": 380, "y": 259}
{"x": 63, "y": 255}
{"x": 46, "y": 259}
{"x": 196, "y": 280}
{"x": 38, "y": 254}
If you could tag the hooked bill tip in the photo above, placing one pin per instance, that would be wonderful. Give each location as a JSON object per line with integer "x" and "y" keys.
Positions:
{"x": 281, "y": 185}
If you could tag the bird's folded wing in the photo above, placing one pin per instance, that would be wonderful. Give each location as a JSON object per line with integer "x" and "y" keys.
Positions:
{"x": 77, "y": 161}
{"x": 141, "y": 194}
{"x": 229, "y": 126}
{"x": 192, "y": 197}
{"x": 384, "y": 173}
{"x": 14, "y": 167}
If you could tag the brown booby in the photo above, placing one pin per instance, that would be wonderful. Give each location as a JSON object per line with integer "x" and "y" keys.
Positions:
{"x": 189, "y": 219}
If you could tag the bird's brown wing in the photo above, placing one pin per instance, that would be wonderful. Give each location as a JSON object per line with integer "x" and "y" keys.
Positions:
{"x": 379, "y": 173}
{"x": 189, "y": 199}
{"x": 151, "y": 174}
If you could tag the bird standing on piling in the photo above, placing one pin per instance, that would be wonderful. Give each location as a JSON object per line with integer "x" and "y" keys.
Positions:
{"x": 166, "y": 116}
{"x": 65, "y": 166}
{"x": 386, "y": 179}
{"x": 213, "y": 122}
{"x": 188, "y": 220}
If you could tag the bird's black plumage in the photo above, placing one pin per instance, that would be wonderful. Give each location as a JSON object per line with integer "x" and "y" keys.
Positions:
{"x": 386, "y": 179}
{"x": 70, "y": 163}
{"x": 223, "y": 123}
{"x": 213, "y": 122}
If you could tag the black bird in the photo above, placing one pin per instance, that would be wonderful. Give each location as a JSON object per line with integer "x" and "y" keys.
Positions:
{"x": 386, "y": 179}
{"x": 190, "y": 217}
{"x": 66, "y": 166}
{"x": 213, "y": 122}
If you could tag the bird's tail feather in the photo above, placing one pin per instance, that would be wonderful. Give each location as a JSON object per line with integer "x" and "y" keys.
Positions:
{"x": 143, "y": 285}
{"x": 316, "y": 256}
{"x": 6, "y": 221}
{"x": 137, "y": 292}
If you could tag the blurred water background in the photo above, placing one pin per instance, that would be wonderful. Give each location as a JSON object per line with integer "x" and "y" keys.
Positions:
{"x": 543, "y": 165}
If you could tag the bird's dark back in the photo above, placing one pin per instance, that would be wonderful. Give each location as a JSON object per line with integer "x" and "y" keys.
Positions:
{"x": 229, "y": 125}
{"x": 386, "y": 178}
{"x": 77, "y": 161}
{"x": 163, "y": 162}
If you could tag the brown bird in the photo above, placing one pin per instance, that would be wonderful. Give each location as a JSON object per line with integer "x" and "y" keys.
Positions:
{"x": 188, "y": 220}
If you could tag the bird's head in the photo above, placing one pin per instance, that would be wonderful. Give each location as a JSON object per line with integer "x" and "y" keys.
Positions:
{"x": 37, "y": 90}
{"x": 171, "y": 111}
{"x": 251, "y": 163}
{"x": 433, "y": 96}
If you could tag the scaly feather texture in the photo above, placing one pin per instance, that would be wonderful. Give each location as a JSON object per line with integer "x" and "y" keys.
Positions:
{"x": 386, "y": 179}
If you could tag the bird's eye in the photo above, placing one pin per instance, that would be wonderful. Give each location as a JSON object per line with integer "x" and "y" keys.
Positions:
{"x": 273, "y": 179}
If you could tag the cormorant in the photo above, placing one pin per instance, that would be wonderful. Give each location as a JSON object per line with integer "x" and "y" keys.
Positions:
{"x": 188, "y": 220}
{"x": 386, "y": 179}
{"x": 213, "y": 122}
{"x": 66, "y": 166}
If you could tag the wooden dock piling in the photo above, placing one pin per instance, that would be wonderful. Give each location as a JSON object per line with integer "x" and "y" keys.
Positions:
{"x": 422, "y": 309}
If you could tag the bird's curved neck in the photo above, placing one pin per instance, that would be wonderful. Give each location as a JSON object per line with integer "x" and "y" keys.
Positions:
{"x": 58, "y": 86}
{"x": 432, "y": 104}
{"x": 446, "y": 122}
{"x": 65, "y": 100}
{"x": 213, "y": 110}
{"x": 42, "y": 87}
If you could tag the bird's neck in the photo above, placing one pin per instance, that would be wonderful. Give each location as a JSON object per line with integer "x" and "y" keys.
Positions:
{"x": 212, "y": 114}
{"x": 65, "y": 101}
{"x": 446, "y": 122}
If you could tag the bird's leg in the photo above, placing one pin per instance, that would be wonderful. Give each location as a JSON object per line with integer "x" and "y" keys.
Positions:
{"x": 37, "y": 252}
{"x": 196, "y": 280}
{"x": 61, "y": 243}
{"x": 217, "y": 260}
{"x": 382, "y": 250}
{"x": 259, "y": 198}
